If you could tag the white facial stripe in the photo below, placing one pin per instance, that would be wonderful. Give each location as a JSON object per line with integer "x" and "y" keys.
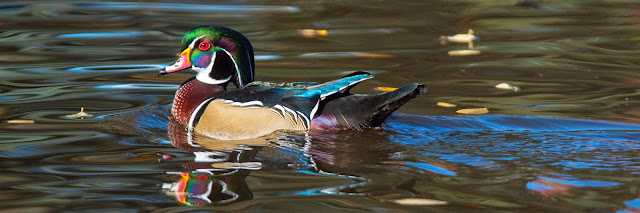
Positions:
{"x": 193, "y": 43}
{"x": 236, "y": 66}
{"x": 206, "y": 78}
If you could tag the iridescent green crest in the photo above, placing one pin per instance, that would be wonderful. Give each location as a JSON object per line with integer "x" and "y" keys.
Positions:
{"x": 233, "y": 42}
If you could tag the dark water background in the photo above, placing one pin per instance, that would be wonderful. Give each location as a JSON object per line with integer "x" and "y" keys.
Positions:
{"x": 568, "y": 141}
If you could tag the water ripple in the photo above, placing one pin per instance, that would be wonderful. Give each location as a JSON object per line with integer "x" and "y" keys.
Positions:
{"x": 118, "y": 68}
{"x": 136, "y": 6}
{"x": 102, "y": 34}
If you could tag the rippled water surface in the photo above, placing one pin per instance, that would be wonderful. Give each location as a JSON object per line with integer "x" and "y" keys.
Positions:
{"x": 566, "y": 141}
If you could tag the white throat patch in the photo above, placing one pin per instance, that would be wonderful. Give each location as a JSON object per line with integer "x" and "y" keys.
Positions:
{"x": 204, "y": 73}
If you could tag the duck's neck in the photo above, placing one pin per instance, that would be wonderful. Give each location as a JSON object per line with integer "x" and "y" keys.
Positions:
{"x": 191, "y": 94}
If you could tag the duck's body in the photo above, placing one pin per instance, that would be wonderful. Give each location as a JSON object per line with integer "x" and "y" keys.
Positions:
{"x": 204, "y": 105}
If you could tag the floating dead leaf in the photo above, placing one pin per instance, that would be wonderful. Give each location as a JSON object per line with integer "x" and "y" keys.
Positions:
{"x": 463, "y": 52}
{"x": 445, "y": 104}
{"x": 468, "y": 38}
{"x": 385, "y": 89}
{"x": 374, "y": 55}
{"x": 459, "y": 38}
{"x": 473, "y": 111}
{"x": 420, "y": 202}
{"x": 20, "y": 121}
{"x": 80, "y": 114}
{"x": 311, "y": 33}
{"x": 507, "y": 86}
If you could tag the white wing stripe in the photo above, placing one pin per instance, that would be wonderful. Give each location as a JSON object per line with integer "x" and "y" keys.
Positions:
{"x": 322, "y": 96}
{"x": 250, "y": 103}
{"x": 195, "y": 112}
{"x": 281, "y": 109}
{"x": 313, "y": 113}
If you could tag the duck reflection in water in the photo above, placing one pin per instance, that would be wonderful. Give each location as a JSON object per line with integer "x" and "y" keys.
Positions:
{"x": 202, "y": 188}
{"x": 218, "y": 169}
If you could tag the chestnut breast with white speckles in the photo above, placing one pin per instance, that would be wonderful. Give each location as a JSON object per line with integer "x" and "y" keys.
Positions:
{"x": 191, "y": 94}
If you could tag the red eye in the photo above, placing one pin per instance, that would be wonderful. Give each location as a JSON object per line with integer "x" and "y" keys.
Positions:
{"x": 204, "y": 46}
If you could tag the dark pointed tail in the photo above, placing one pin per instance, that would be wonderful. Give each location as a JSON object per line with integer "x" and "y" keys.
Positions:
{"x": 358, "y": 111}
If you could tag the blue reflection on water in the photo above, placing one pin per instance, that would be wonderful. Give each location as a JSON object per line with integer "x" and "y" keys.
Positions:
{"x": 580, "y": 183}
{"x": 118, "y": 68}
{"x": 138, "y": 86}
{"x": 564, "y": 183}
{"x": 266, "y": 57}
{"x": 582, "y": 165}
{"x": 431, "y": 168}
{"x": 503, "y": 123}
{"x": 539, "y": 187}
{"x": 493, "y": 141}
{"x": 101, "y": 35}
{"x": 467, "y": 159}
{"x": 42, "y": 144}
{"x": 190, "y": 7}
{"x": 9, "y": 97}
{"x": 635, "y": 203}
{"x": 174, "y": 7}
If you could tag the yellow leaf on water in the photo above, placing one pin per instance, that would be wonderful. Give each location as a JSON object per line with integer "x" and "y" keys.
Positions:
{"x": 322, "y": 32}
{"x": 463, "y": 52}
{"x": 310, "y": 33}
{"x": 473, "y": 111}
{"x": 21, "y": 121}
{"x": 445, "y": 104}
{"x": 385, "y": 89}
{"x": 420, "y": 202}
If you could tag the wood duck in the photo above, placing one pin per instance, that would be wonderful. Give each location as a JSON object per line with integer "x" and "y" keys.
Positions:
{"x": 221, "y": 56}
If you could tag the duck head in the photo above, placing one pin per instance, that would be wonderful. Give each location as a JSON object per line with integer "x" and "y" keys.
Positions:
{"x": 219, "y": 55}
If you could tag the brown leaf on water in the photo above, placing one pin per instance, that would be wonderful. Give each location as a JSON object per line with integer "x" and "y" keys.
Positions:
{"x": 420, "y": 202}
{"x": 473, "y": 111}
